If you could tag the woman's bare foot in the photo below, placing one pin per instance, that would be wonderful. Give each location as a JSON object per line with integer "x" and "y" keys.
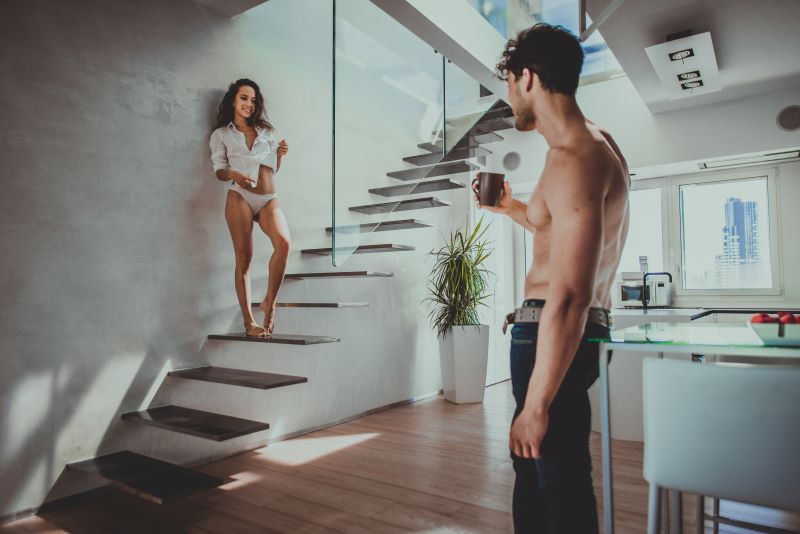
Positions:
{"x": 254, "y": 330}
{"x": 269, "y": 317}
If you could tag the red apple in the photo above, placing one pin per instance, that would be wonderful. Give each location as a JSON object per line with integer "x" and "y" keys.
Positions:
{"x": 782, "y": 314}
{"x": 787, "y": 319}
{"x": 761, "y": 318}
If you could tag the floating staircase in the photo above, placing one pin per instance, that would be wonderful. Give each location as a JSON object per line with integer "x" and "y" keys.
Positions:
{"x": 160, "y": 481}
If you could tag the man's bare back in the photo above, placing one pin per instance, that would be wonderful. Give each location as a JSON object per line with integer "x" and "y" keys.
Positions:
{"x": 597, "y": 151}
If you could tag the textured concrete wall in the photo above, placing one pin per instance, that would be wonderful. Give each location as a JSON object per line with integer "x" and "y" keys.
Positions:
{"x": 116, "y": 258}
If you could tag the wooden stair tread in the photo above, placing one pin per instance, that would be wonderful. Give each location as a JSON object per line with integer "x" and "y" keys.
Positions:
{"x": 146, "y": 477}
{"x": 430, "y": 186}
{"x": 285, "y": 339}
{"x": 402, "y": 205}
{"x": 208, "y": 425}
{"x": 468, "y": 141}
{"x": 361, "y": 249}
{"x": 238, "y": 377}
{"x": 337, "y": 274}
{"x": 435, "y": 156}
{"x": 430, "y": 171}
{"x": 319, "y": 304}
{"x": 383, "y": 226}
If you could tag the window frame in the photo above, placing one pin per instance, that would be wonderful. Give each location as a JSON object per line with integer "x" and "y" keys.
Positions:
{"x": 673, "y": 221}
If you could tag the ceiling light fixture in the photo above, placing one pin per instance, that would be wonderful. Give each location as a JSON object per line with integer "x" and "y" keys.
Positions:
{"x": 680, "y": 55}
{"x": 689, "y": 75}
{"x": 685, "y": 66}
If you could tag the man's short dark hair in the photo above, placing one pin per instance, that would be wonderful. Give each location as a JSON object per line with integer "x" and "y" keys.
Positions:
{"x": 551, "y": 52}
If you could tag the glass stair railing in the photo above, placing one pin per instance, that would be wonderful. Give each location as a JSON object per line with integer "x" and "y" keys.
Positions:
{"x": 409, "y": 130}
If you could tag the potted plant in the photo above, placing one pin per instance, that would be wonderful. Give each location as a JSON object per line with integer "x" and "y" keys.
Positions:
{"x": 457, "y": 285}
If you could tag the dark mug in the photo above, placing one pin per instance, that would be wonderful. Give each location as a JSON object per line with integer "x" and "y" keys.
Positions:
{"x": 490, "y": 187}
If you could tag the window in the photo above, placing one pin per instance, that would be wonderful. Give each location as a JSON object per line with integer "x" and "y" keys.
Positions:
{"x": 718, "y": 229}
{"x": 724, "y": 231}
{"x": 645, "y": 233}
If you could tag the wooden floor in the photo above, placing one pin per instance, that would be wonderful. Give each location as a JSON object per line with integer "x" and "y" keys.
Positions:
{"x": 429, "y": 467}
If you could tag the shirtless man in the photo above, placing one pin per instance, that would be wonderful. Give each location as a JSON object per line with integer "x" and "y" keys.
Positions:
{"x": 578, "y": 215}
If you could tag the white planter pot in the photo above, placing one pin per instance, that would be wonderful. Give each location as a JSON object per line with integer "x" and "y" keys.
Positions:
{"x": 464, "y": 353}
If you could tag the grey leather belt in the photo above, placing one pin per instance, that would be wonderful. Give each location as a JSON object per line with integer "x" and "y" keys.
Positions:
{"x": 533, "y": 314}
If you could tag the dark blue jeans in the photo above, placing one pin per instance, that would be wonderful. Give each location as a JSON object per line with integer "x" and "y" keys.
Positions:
{"x": 554, "y": 494}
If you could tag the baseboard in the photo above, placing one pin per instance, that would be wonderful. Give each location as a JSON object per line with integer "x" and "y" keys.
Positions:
{"x": 14, "y": 516}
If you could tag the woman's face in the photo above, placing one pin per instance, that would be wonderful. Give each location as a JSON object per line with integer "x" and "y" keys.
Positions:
{"x": 244, "y": 104}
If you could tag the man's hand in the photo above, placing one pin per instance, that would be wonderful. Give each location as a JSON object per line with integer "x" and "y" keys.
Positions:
{"x": 527, "y": 433}
{"x": 506, "y": 200}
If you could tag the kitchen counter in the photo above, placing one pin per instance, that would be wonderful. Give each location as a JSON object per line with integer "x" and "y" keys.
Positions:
{"x": 690, "y": 314}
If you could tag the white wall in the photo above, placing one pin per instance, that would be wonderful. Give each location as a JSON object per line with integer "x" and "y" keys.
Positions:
{"x": 116, "y": 257}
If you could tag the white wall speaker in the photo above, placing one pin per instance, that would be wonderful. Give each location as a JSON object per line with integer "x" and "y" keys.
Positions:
{"x": 789, "y": 118}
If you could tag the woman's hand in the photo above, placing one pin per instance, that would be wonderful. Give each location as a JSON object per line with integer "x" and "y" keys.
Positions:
{"x": 242, "y": 180}
{"x": 283, "y": 148}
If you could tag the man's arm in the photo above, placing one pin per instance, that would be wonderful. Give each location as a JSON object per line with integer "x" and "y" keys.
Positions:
{"x": 508, "y": 205}
{"x": 575, "y": 201}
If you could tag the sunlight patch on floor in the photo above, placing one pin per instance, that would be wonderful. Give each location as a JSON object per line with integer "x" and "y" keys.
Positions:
{"x": 301, "y": 451}
{"x": 241, "y": 479}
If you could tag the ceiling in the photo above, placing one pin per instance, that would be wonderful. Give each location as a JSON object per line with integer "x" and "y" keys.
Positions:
{"x": 756, "y": 43}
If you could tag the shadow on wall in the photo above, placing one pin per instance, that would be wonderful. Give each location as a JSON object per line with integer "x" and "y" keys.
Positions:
{"x": 113, "y": 234}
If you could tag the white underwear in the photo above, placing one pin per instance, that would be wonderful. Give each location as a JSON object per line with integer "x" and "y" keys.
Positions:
{"x": 255, "y": 201}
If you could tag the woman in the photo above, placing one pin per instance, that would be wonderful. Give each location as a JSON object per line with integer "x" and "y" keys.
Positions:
{"x": 244, "y": 152}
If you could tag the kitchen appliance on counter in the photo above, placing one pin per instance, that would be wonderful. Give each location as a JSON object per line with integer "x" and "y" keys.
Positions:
{"x": 644, "y": 290}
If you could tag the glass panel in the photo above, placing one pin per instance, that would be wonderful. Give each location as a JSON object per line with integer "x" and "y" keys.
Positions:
{"x": 508, "y": 17}
{"x": 467, "y": 126}
{"x": 725, "y": 235}
{"x": 645, "y": 237}
{"x": 388, "y": 98}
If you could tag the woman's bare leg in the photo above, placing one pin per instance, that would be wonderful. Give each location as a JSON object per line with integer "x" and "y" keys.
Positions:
{"x": 273, "y": 223}
{"x": 240, "y": 224}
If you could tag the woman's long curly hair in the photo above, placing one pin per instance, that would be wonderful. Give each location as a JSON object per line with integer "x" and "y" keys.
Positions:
{"x": 259, "y": 117}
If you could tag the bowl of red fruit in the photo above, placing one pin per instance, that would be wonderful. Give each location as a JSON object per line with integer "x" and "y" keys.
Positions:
{"x": 780, "y": 330}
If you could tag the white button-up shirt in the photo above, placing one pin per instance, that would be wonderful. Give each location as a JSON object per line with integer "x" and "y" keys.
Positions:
{"x": 229, "y": 151}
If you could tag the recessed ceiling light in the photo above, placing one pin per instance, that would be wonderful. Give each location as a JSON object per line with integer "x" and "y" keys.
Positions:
{"x": 692, "y": 85}
{"x": 689, "y": 75}
{"x": 680, "y": 55}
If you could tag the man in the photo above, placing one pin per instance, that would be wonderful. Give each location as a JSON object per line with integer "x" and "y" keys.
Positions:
{"x": 578, "y": 214}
